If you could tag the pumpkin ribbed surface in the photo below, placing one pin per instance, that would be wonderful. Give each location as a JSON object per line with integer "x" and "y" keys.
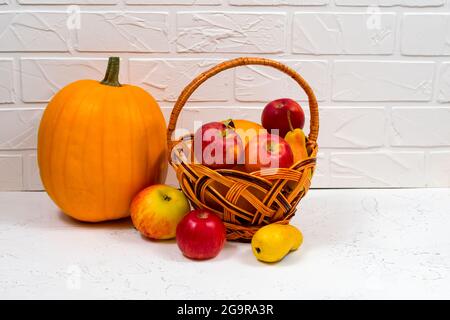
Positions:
{"x": 98, "y": 146}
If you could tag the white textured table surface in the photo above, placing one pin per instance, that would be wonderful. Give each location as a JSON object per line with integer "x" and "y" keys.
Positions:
{"x": 358, "y": 244}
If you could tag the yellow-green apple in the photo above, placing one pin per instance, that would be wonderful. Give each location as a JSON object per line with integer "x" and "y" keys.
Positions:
{"x": 267, "y": 151}
{"x": 275, "y": 116}
{"x": 157, "y": 210}
{"x": 218, "y": 146}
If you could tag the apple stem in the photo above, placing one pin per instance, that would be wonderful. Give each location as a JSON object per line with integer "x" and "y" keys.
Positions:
{"x": 202, "y": 215}
{"x": 167, "y": 198}
{"x": 289, "y": 120}
{"x": 229, "y": 123}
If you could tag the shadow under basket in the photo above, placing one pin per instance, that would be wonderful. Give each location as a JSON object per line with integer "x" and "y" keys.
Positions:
{"x": 245, "y": 201}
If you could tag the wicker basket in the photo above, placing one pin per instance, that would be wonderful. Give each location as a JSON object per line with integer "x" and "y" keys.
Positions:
{"x": 244, "y": 201}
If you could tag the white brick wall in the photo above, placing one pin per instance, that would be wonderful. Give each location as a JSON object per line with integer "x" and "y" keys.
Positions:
{"x": 41, "y": 78}
{"x": 380, "y": 70}
{"x": 343, "y": 33}
{"x": 256, "y": 83}
{"x": 365, "y": 80}
{"x": 133, "y": 32}
{"x": 227, "y": 32}
{"x": 444, "y": 83}
{"x": 6, "y": 81}
{"x": 390, "y": 3}
{"x": 33, "y": 31}
{"x": 409, "y": 124}
{"x": 377, "y": 169}
{"x": 166, "y": 78}
{"x": 417, "y": 28}
{"x": 339, "y": 124}
{"x": 18, "y": 128}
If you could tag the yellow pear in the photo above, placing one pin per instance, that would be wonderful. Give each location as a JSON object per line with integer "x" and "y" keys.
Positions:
{"x": 273, "y": 242}
{"x": 297, "y": 141}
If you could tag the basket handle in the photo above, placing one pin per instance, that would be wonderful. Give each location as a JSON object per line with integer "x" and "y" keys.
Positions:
{"x": 191, "y": 87}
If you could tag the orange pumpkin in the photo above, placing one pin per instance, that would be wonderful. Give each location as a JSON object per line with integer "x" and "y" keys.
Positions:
{"x": 99, "y": 144}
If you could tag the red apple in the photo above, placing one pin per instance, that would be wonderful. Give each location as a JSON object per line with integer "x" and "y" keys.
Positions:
{"x": 201, "y": 235}
{"x": 218, "y": 146}
{"x": 275, "y": 116}
{"x": 268, "y": 151}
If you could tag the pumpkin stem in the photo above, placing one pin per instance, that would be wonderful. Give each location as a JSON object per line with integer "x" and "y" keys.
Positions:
{"x": 112, "y": 73}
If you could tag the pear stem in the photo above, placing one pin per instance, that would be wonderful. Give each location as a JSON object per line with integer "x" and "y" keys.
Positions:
{"x": 289, "y": 120}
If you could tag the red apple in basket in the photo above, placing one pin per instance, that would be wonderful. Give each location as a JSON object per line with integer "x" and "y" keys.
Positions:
{"x": 268, "y": 151}
{"x": 218, "y": 146}
{"x": 201, "y": 235}
{"x": 275, "y": 116}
